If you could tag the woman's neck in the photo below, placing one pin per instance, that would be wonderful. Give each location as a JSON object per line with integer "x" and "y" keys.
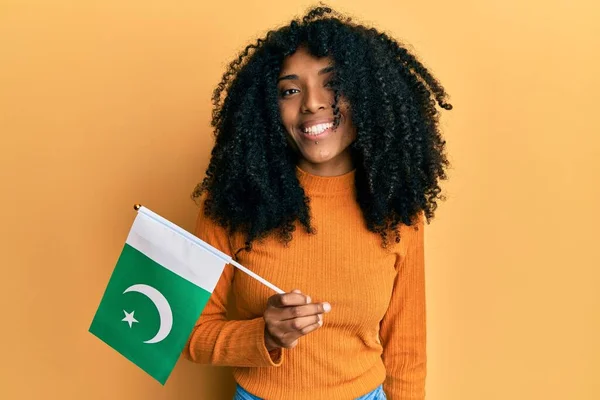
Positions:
{"x": 335, "y": 167}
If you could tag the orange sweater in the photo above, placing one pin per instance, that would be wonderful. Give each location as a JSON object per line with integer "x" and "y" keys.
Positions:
{"x": 375, "y": 331}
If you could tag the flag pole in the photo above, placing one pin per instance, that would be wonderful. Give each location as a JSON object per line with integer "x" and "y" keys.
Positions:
{"x": 258, "y": 278}
{"x": 239, "y": 266}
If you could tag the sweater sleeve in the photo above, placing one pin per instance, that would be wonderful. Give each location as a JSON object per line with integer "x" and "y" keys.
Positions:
{"x": 403, "y": 332}
{"x": 215, "y": 339}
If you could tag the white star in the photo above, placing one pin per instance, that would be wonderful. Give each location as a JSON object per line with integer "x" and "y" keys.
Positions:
{"x": 129, "y": 318}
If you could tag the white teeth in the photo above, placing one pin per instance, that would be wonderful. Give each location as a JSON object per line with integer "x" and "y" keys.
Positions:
{"x": 318, "y": 129}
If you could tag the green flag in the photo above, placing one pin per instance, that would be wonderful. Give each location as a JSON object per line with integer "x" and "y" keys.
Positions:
{"x": 158, "y": 289}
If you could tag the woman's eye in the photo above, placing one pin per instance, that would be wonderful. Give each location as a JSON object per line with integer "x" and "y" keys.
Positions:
{"x": 287, "y": 92}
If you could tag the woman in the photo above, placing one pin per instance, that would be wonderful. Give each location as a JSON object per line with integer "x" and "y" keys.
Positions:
{"x": 326, "y": 164}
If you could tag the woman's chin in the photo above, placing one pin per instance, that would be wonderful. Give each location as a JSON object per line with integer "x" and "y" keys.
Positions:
{"x": 317, "y": 156}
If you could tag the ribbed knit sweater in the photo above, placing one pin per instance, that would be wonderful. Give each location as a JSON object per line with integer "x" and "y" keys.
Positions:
{"x": 375, "y": 331}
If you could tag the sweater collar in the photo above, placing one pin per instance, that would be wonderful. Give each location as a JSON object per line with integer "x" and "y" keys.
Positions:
{"x": 316, "y": 184}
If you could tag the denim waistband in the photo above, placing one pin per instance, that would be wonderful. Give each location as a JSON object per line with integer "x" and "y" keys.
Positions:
{"x": 376, "y": 394}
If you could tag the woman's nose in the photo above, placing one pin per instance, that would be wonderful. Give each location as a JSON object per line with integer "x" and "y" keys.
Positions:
{"x": 315, "y": 99}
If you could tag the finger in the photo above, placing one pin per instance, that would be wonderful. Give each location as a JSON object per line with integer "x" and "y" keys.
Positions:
{"x": 290, "y": 345}
{"x": 305, "y": 310}
{"x": 297, "y": 324}
{"x": 312, "y": 327}
{"x": 284, "y": 337}
{"x": 288, "y": 299}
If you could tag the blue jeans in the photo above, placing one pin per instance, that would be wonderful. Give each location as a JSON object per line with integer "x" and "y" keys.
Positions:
{"x": 376, "y": 394}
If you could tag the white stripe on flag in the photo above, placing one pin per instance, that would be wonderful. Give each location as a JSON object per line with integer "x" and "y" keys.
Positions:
{"x": 193, "y": 238}
{"x": 168, "y": 224}
{"x": 167, "y": 246}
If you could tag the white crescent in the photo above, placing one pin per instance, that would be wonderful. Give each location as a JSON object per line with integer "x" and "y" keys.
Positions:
{"x": 162, "y": 305}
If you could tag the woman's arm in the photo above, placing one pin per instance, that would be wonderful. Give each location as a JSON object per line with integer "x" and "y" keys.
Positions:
{"x": 216, "y": 340}
{"x": 403, "y": 330}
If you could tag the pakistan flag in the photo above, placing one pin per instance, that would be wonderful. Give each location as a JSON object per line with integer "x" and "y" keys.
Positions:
{"x": 158, "y": 289}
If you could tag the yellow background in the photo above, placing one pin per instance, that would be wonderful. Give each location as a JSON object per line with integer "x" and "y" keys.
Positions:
{"x": 107, "y": 103}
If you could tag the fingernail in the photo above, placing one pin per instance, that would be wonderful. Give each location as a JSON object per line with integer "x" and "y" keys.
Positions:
{"x": 307, "y": 299}
{"x": 326, "y": 307}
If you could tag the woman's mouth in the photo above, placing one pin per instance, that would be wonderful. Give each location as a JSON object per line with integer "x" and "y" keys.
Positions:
{"x": 317, "y": 131}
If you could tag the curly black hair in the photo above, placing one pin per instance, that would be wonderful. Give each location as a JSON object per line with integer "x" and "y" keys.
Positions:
{"x": 399, "y": 154}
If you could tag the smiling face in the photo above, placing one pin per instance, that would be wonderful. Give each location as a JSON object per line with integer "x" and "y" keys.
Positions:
{"x": 306, "y": 109}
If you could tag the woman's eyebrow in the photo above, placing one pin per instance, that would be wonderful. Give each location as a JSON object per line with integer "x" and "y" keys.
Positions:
{"x": 295, "y": 77}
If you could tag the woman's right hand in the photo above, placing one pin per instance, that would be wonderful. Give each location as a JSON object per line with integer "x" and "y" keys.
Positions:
{"x": 289, "y": 316}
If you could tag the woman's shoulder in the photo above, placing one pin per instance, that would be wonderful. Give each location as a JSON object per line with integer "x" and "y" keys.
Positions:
{"x": 409, "y": 232}
{"x": 208, "y": 228}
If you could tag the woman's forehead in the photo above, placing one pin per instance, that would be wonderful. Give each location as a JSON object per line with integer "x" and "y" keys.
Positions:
{"x": 303, "y": 61}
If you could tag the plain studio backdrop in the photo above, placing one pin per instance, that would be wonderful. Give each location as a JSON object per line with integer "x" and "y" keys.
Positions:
{"x": 104, "y": 104}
